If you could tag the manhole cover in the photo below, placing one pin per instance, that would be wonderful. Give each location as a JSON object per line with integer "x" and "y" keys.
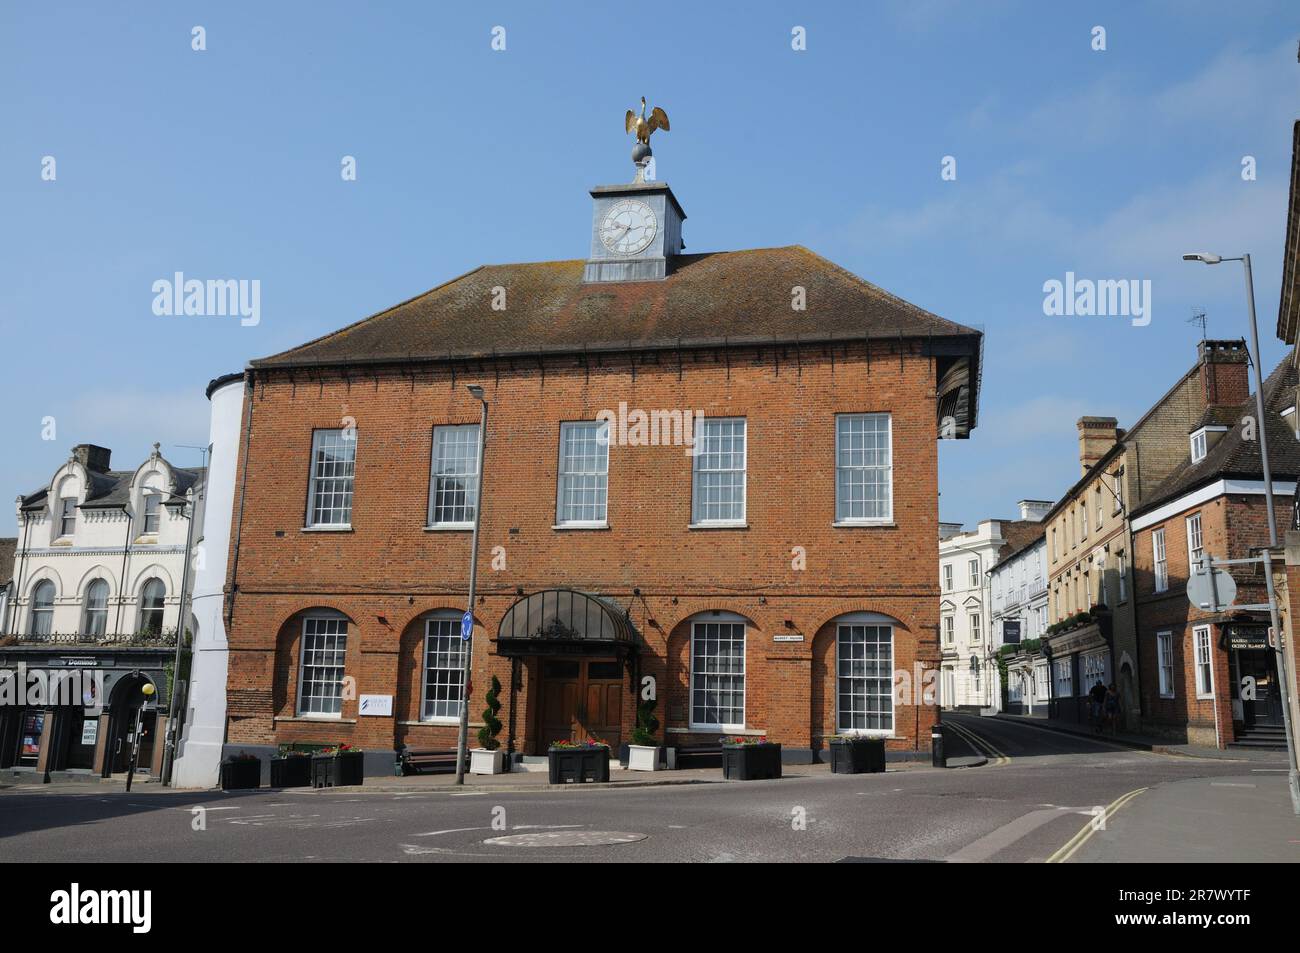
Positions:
{"x": 566, "y": 839}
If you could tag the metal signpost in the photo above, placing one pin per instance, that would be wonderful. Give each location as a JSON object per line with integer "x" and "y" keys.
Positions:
{"x": 467, "y": 620}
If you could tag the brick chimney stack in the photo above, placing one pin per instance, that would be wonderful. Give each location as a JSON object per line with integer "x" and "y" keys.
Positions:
{"x": 1224, "y": 378}
{"x": 1096, "y": 436}
{"x": 92, "y": 457}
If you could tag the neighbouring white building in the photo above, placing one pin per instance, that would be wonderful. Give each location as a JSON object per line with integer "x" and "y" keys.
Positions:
{"x": 1018, "y": 583}
{"x": 96, "y": 592}
{"x": 968, "y": 675}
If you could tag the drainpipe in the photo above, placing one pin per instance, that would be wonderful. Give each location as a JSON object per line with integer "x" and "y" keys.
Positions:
{"x": 122, "y": 584}
{"x": 12, "y": 612}
{"x": 243, "y": 492}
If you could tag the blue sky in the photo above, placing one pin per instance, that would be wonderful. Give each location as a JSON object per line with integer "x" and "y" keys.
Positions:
{"x": 225, "y": 163}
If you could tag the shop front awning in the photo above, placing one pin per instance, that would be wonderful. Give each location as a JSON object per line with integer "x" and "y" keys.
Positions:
{"x": 565, "y": 622}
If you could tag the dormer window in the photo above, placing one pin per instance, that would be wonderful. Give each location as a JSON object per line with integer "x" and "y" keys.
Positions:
{"x": 67, "y": 515}
{"x": 152, "y": 509}
{"x": 1202, "y": 440}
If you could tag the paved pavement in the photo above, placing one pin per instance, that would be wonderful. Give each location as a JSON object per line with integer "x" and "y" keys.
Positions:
{"x": 1031, "y": 800}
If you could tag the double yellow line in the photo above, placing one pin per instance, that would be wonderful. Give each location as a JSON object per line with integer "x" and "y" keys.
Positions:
{"x": 980, "y": 744}
{"x": 1071, "y": 847}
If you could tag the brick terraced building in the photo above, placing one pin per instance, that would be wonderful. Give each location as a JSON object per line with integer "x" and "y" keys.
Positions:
{"x": 771, "y": 578}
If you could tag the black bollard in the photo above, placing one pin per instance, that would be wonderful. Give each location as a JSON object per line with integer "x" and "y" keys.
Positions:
{"x": 937, "y": 756}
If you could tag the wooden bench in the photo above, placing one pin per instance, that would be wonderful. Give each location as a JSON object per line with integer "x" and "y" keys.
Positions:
{"x": 699, "y": 756}
{"x": 415, "y": 760}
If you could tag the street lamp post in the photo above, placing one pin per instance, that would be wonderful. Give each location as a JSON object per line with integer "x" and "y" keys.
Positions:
{"x": 462, "y": 733}
{"x": 147, "y": 691}
{"x": 1293, "y": 775}
{"x": 169, "y": 749}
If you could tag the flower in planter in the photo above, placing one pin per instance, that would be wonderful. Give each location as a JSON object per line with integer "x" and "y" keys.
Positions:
{"x": 242, "y": 756}
{"x": 589, "y": 743}
{"x": 745, "y": 740}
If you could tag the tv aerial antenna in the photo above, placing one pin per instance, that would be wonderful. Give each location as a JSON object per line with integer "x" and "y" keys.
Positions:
{"x": 1198, "y": 317}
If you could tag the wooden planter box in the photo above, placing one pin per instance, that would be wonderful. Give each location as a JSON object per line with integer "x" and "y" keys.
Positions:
{"x": 337, "y": 770}
{"x": 292, "y": 772}
{"x": 578, "y": 764}
{"x": 241, "y": 775}
{"x": 751, "y": 762}
{"x": 859, "y": 756}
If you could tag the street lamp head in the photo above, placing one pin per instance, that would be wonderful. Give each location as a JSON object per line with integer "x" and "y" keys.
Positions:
{"x": 147, "y": 689}
{"x": 1203, "y": 256}
{"x": 475, "y": 390}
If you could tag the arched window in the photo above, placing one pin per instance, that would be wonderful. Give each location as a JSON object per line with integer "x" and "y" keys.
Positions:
{"x": 320, "y": 665}
{"x": 718, "y": 672}
{"x": 864, "y": 670}
{"x": 444, "y": 654}
{"x": 94, "y": 621}
{"x": 43, "y": 608}
{"x": 151, "y": 607}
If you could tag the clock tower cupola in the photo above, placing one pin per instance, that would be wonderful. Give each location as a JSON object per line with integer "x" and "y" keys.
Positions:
{"x": 636, "y": 229}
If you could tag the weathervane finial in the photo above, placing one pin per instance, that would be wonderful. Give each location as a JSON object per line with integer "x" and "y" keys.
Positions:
{"x": 643, "y": 127}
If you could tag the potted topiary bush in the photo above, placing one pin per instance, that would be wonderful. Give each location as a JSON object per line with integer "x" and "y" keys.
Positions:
{"x": 856, "y": 754}
{"x": 488, "y": 758}
{"x": 643, "y": 753}
{"x": 748, "y": 758}
{"x": 578, "y": 761}
{"x": 337, "y": 766}
{"x": 241, "y": 772}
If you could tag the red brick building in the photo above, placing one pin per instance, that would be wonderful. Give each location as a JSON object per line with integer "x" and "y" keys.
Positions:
{"x": 1210, "y": 677}
{"x": 772, "y": 578}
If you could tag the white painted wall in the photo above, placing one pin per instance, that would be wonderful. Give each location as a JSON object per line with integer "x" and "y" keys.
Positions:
{"x": 199, "y": 755}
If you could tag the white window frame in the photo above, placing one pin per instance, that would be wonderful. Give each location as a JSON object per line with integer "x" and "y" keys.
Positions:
{"x": 1066, "y": 681}
{"x": 882, "y": 681}
{"x": 1118, "y": 492}
{"x": 1198, "y": 446}
{"x": 1201, "y": 640}
{"x": 347, "y": 439}
{"x": 842, "y": 505}
{"x": 706, "y": 437}
{"x": 565, "y": 480}
{"x": 308, "y": 621}
{"x": 448, "y": 625}
{"x": 702, "y": 622}
{"x": 142, "y": 608}
{"x": 67, "y": 514}
{"x": 40, "y": 612}
{"x": 973, "y": 621}
{"x": 1042, "y": 681}
{"x": 949, "y": 629}
{"x": 1160, "y": 558}
{"x": 88, "y": 611}
{"x": 973, "y": 567}
{"x": 1165, "y": 662}
{"x": 947, "y": 577}
{"x": 1195, "y": 542}
{"x": 446, "y": 435}
{"x": 1121, "y": 564}
{"x": 151, "y": 511}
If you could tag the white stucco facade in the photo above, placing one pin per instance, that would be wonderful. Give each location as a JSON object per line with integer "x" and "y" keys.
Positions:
{"x": 97, "y": 560}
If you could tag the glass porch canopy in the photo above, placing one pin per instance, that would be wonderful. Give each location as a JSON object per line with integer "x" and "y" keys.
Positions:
{"x": 565, "y": 622}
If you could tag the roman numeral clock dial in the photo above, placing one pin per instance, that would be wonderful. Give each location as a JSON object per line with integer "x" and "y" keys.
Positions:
{"x": 628, "y": 227}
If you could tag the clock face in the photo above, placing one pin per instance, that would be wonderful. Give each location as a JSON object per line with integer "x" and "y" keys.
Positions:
{"x": 628, "y": 227}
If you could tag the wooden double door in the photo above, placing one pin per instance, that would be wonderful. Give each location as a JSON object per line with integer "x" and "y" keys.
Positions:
{"x": 581, "y": 698}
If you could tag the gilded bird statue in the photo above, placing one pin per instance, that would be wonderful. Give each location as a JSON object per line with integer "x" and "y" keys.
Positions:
{"x": 643, "y": 126}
